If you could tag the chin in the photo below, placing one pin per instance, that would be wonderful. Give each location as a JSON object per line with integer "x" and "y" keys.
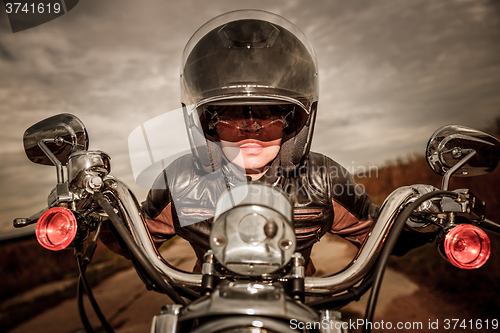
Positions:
{"x": 257, "y": 165}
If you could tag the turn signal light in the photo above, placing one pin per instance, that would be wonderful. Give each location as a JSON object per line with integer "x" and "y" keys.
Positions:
{"x": 467, "y": 246}
{"x": 56, "y": 228}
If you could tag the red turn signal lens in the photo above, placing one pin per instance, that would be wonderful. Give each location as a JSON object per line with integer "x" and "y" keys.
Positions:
{"x": 56, "y": 228}
{"x": 467, "y": 246}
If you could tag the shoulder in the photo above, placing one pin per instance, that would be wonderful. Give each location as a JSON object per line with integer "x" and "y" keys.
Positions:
{"x": 182, "y": 164}
{"x": 318, "y": 159}
{"x": 334, "y": 180}
{"x": 181, "y": 170}
{"x": 183, "y": 177}
{"x": 321, "y": 165}
{"x": 175, "y": 178}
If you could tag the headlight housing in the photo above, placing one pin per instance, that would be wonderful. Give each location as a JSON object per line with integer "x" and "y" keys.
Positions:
{"x": 253, "y": 231}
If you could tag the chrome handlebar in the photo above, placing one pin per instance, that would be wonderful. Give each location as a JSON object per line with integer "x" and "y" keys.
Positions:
{"x": 342, "y": 280}
{"x": 368, "y": 254}
{"x": 133, "y": 217}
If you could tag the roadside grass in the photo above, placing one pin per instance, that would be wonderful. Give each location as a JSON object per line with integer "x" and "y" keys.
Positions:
{"x": 25, "y": 265}
{"x": 34, "y": 278}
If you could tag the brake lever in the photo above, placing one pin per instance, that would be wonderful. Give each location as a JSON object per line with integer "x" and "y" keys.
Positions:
{"x": 489, "y": 225}
{"x": 25, "y": 221}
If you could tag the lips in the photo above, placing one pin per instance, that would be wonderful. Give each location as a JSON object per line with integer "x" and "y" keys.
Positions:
{"x": 251, "y": 148}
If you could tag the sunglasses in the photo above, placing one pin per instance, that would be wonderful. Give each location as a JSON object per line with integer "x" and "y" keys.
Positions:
{"x": 239, "y": 122}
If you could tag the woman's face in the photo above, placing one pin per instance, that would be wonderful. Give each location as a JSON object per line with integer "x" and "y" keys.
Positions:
{"x": 251, "y": 154}
{"x": 251, "y": 135}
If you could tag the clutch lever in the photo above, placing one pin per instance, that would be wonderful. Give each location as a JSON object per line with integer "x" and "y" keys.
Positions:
{"x": 489, "y": 225}
{"x": 25, "y": 221}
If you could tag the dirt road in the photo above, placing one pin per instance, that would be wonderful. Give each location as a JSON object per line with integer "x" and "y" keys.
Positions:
{"x": 130, "y": 307}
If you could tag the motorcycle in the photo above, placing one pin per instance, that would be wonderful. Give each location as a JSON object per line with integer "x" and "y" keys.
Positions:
{"x": 252, "y": 279}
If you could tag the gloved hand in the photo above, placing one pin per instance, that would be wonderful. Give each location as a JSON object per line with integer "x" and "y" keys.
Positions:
{"x": 423, "y": 225}
{"x": 424, "y": 219}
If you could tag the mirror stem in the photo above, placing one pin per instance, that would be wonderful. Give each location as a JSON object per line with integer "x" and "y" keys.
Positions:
{"x": 449, "y": 173}
{"x": 53, "y": 158}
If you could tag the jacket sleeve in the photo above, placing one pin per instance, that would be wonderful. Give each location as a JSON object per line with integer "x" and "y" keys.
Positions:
{"x": 157, "y": 210}
{"x": 354, "y": 213}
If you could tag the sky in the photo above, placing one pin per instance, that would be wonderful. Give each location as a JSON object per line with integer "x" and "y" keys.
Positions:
{"x": 391, "y": 73}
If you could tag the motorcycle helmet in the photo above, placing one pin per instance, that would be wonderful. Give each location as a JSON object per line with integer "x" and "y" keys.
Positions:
{"x": 249, "y": 64}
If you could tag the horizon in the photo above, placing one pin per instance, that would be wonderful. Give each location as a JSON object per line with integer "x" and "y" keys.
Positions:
{"x": 391, "y": 73}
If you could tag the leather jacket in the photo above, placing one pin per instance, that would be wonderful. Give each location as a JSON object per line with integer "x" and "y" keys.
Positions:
{"x": 324, "y": 196}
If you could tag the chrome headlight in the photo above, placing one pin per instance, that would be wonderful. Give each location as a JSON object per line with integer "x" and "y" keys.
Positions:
{"x": 253, "y": 232}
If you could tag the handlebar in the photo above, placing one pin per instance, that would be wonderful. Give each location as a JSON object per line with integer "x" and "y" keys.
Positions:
{"x": 133, "y": 217}
{"x": 368, "y": 254}
{"x": 358, "y": 268}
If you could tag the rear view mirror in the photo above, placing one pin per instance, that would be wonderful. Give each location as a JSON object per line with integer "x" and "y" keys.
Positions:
{"x": 451, "y": 144}
{"x": 62, "y": 134}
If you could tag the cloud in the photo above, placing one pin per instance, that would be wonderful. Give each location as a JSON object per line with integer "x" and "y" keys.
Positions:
{"x": 391, "y": 72}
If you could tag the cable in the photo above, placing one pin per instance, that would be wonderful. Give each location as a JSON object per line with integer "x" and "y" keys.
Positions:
{"x": 79, "y": 295}
{"x": 124, "y": 233}
{"x": 353, "y": 294}
{"x": 82, "y": 262}
{"x": 389, "y": 246}
{"x": 185, "y": 292}
{"x": 90, "y": 295}
{"x": 81, "y": 308}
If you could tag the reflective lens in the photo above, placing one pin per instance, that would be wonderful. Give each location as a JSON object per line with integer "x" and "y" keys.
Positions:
{"x": 56, "y": 228}
{"x": 263, "y": 130}
{"x": 467, "y": 246}
{"x": 261, "y": 122}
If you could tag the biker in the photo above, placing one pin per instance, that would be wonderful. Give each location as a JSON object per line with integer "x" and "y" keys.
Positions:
{"x": 249, "y": 90}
